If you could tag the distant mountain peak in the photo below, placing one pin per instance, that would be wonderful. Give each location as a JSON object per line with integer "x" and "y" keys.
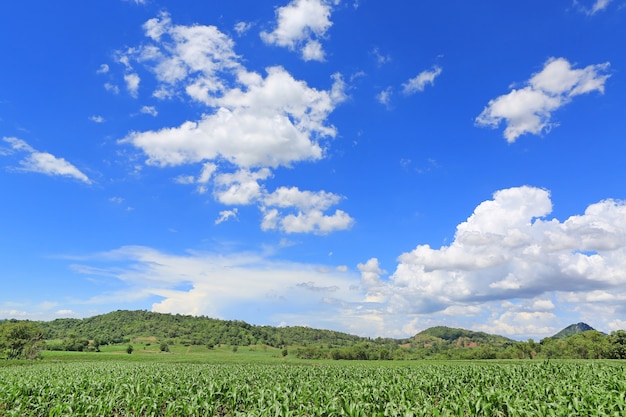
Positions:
{"x": 572, "y": 329}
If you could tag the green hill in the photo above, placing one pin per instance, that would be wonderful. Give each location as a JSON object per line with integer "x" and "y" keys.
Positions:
{"x": 442, "y": 335}
{"x": 161, "y": 331}
{"x": 572, "y": 329}
{"x": 123, "y": 326}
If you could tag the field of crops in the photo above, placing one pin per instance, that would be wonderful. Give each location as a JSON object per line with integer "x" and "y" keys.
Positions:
{"x": 337, "y": 389}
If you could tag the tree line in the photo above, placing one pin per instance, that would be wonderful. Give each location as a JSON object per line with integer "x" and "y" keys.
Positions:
{"x": 25, "y": 339}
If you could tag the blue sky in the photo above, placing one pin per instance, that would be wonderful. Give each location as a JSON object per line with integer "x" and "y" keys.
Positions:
{"x": 371, "y": 167}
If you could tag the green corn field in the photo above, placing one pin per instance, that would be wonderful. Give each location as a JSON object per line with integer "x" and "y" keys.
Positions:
{"x": 567, "y": 388}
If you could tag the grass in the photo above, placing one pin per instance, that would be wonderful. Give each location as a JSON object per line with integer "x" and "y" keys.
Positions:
{"x": 151, "y": 352}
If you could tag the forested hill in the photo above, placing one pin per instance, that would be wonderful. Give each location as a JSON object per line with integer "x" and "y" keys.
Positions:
{"x": 572, "y": 329}
{"x": 442, "y": 335}
{"x": 143, "y": 327}
{"x": 122, "y": 325}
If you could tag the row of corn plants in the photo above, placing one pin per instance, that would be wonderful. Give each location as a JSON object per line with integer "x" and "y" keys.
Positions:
{"x": 128, "y": 389}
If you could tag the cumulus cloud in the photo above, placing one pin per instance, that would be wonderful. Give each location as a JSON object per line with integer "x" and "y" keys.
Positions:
{"x": 509, "y": 250}
{"x": 241, "y": 187}
{"x": 421, "y": 80}
{"x": 43, "y": 162}
{"x": 529, "y": 109}
{"x": 300, "y": 25}
{"x": 132, "y": 83}
{"x": 96, "y": 118}
{"x": 510, "y": 267}
{"x": 253, "y": 122}
{"x": 307, "y": 214}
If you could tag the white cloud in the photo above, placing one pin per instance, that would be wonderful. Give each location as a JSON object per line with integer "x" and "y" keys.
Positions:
{"x": 312, "y": 51}
{"x": 112, "y": 88}
{"x": 380, "y": 58}
{"x": 311, "y": 221}
{"x": 597, "y": 6}
{"x": 43, "y": 162}
{"x": 226, "y": 215}
{"x": 132, "y": 83}
{"x": 384, "y": 97}
{"x": 242, "y": 27}
{"x": 222, "y": 285}
{"x": 241, "y": 187}
{"x": 151, "y": 110}
{"x": 309, "y": 212}
{"x": 529, "y": 110}
{"x": 96, "y": 119}
{"x": 547, "y": 274}
{"x": 508, "y": 249}
{"x": 421, "y": 80}
{"x": 304, "y": 200}
{"x": 208, "y": 169}
{"x": 370, "y": 273}
{"x": 268, "y": 121}
{"x": 253, "y": 123}
{"x": 300, "y": 25}
{"x": 104, "y": 68}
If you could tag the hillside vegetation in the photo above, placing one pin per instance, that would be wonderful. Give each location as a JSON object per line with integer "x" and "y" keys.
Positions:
{"x": 25, "y": 339}
{"x": 122, "y": 326}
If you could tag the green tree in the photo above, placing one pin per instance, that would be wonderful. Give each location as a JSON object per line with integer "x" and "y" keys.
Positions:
{"x": 130, "y": 349}
{"x": 617, "y": 349}
{"x": 20, "y": 339}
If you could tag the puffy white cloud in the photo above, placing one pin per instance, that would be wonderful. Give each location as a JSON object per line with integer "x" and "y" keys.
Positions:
{"x": 370, "y": 273}
{"x": 303, "y": 200}
{"x": 132, "y": 83}
{"x": 312, "y": 221}
{"x": 275, "y": 122}
{"x": 508, "y": 250}
{"x": 309, "y": 215}
{"x": 421, "y": 80}
{"x": 301, "y": 24}
{"x": 509, "y": 267}
{"x": 529, "y": 110}
{"x": 312, "y": 51}
{"x": 43, "y": 162}
{"x": 253, "y": 123}
{"x": 96, "y": 118}
{"x": 241, "y": 187}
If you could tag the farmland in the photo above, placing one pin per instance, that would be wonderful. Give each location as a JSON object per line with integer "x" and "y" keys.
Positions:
{"x": 275, "y": 386}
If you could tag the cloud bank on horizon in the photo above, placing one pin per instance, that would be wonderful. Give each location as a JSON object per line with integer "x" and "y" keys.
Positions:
{"x": 509, "y": 267}
{"x": 240, "y": 165}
